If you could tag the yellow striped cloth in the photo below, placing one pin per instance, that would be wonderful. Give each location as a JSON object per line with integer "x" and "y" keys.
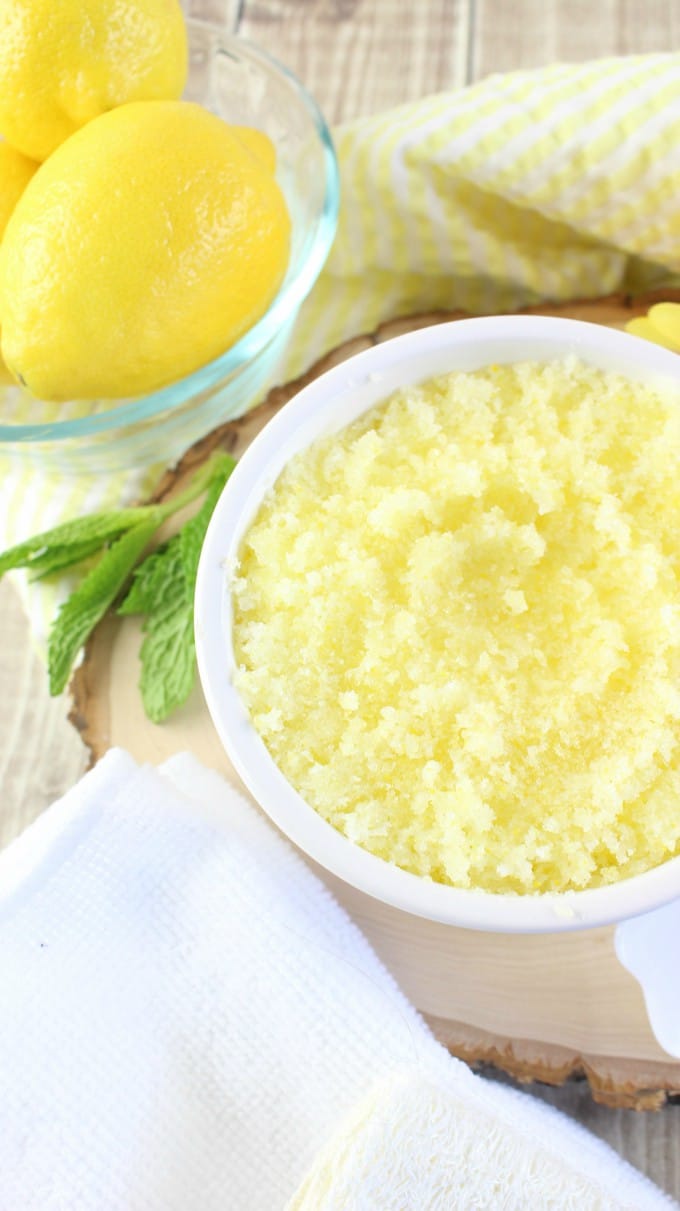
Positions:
{"x": 550, "y": 184}
{"x": 553, "y": 184}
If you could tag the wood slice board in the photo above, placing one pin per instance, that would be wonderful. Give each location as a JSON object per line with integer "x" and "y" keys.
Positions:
{"x": 538, "y": 1007}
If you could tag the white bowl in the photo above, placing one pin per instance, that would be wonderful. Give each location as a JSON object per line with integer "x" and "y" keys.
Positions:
{"x": 326, "y": 405}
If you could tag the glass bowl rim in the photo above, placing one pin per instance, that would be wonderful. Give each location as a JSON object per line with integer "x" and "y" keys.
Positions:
{"x": 289, "y": 297}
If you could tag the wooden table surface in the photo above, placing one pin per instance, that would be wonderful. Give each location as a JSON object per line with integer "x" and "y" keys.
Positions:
{"x": 358, "y": 57}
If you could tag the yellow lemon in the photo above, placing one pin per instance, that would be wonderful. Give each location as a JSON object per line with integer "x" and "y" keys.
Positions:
{"x": 64, "y": 62}
{"x": 661, "y": 325}
{"x": 143, "y": 248}
{"x": 259, "y": 144}
{"x": 665, "y": 319}
{"x": 16, "y": 171}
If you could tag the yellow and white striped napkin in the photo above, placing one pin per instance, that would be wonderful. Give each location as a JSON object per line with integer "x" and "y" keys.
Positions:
{"x": 558, "y": 183}
{"x": 553, "y": 184}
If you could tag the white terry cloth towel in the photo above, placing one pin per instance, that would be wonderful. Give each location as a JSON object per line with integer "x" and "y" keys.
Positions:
{"x": 190, "y": 1022}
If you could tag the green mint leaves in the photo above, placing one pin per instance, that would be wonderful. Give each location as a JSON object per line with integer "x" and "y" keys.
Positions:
{"x": 163, "y": 590}
{"x": 80, "y": 614}
{"x": 162, "y": 587}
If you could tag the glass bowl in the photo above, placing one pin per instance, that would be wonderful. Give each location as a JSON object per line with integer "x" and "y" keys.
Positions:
{"x": 244, "y": 86}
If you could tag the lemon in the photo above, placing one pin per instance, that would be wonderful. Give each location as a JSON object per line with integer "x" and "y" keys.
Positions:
{"x": 16, "y": 171}
{"x": 64, "y": 62}
{"x": 643, "y": 326}
{"x": 665, "y": 319}
{"x": 144, "y": 247}
{"x": 258, "y": 143}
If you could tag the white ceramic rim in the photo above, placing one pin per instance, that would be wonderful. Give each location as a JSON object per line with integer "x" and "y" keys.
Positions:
{"x": 326, "y": 405}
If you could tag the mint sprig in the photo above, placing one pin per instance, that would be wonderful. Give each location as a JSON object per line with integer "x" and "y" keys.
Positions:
{"x": 162, "y": 588}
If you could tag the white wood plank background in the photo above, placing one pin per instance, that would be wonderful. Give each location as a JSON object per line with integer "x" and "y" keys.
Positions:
{"x": 357, "y": 57}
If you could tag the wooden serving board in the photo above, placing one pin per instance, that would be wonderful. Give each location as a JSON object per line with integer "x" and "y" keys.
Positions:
{"x": 539, "y": 1007}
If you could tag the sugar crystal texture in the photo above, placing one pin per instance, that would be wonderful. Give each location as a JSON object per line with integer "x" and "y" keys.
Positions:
{"x": 457, "y": 627}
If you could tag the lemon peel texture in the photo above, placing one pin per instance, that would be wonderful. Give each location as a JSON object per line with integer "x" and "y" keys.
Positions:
{"x": 62, "y": 64}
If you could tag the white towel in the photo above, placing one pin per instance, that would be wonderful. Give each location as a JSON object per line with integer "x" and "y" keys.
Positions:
{"x": 189, "y": 1021}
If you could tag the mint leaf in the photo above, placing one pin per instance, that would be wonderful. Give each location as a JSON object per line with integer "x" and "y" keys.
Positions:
{"x": 79, "y": 615}
{"x": 58, "y": 559}
{"x": 159, "y": 578}
{"x": 161, "y": 591}
{"x": 168, "y": 661}
{"x": 71, "y": 536}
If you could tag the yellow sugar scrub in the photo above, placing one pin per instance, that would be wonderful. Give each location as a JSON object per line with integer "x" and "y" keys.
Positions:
{"x": 457, "y": 627}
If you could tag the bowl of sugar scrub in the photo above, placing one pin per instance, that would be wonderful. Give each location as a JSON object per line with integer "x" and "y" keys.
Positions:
{"x": 438, "y": 623}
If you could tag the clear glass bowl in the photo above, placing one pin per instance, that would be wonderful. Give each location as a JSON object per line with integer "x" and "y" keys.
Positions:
{"x": 244, "y": 86}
